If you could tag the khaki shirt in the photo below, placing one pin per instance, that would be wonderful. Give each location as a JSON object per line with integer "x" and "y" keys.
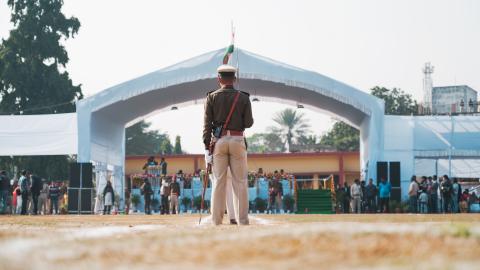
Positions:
{"x": 218, "y": 106}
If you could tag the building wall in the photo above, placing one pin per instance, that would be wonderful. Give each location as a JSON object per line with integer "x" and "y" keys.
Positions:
{"x": 444, "y": 97}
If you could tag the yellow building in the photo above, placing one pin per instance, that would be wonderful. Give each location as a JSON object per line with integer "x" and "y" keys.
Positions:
{"x": 345, "y": 166}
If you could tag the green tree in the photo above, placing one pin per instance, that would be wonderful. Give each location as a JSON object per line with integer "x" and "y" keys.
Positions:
{"x": 397, "y": 102}
{"x": 141, "y": 141}
{"x": 265, "y": 143}
{"x": 178, "y": 146}
{"x": 31, "y": 58}
{"x": 292, "y": 125}
{"x": 166, "y": 146}
{"x": 342, "y": 137}
{"x": 33, "y": 79}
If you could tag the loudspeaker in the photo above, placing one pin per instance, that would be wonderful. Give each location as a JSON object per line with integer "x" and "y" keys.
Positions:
{"x": 84, "y": 202}
{"x": 382, "y": 171}
{"x": 83, "y": 170}
{"x": 395, "y": 174}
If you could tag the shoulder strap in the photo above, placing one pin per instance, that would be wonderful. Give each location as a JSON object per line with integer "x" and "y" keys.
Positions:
{"x": 231, "y": 110}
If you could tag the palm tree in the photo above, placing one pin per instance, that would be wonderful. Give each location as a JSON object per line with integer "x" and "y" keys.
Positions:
{"x": 292, "y": 125}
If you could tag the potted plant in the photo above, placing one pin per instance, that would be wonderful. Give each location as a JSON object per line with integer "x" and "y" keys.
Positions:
{"x": 288, "y": 203}
{"x": 260, "y": 205}
{"x": 135, "y": 201}
{"x": 186, "y": 202}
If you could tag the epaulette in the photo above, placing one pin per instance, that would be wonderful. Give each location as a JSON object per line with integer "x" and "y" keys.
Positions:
{"x": 208, "y": 93}
{"x": 246, "y": 93}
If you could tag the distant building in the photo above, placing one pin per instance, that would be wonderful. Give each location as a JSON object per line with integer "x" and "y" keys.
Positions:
{"x": 448, "y": 99}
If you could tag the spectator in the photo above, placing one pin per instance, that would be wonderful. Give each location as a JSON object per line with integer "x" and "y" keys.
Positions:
{"x": 275, "y": 195}
{"x": 446, "y": 191}
{"x": 433, "y": 195}
{"x": 174, "y": 195}
{"x": 108, "y": 198}
{"x": 364, "y": 198}
{"x": 455, "y": 195}
{"x": 24, "y": 183}
{"x": 472, "y": 199}
{"x": 164, "y": 193}
{"x": 53, "y": 193}
{"x": 464, "y": 201}
{"x": 43, "y": 199}
{"x": 370, "y": 195}
{"x": 150, "y": 162}
{"x": 127, "y": 201}
{"x": 346, "y": 198}
{"x": 384, "y": 189}
{"x": 356, "y": 193}
{"x": 35, "y": 191}
{"x": 4, "y": 191}
{"x": 412, "y": 194}
{"x": 163, "y": 164}
{"x": 16, "y": 199}
{"x": 423, "y": 199}
{"x": 147, "y": 192}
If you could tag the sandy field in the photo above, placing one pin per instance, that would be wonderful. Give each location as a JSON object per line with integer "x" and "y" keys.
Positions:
{"x": 270, "y": 242}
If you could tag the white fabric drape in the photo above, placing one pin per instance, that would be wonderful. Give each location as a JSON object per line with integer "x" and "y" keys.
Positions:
{"x": 46, "y": 134}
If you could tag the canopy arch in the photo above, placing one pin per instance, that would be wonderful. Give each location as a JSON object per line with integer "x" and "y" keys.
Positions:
{"x": 102, "y": 118}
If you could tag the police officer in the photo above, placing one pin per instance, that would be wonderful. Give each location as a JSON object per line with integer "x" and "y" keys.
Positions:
{"x": 230, "y": 150}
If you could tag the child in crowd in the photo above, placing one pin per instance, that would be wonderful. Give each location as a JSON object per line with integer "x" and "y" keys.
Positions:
{"x": 423, "y": 202}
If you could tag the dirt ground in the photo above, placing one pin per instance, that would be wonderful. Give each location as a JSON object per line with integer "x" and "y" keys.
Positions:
{"x": 270, "y": 242}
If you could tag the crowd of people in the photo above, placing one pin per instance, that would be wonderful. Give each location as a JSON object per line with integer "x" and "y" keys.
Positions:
{"x": 30, "y": 194}
{"x": 426, "y": 195}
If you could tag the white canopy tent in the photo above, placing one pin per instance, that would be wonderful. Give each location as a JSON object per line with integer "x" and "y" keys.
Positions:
{"x": 102, "y": 118}
{"x": 30, "y": 135}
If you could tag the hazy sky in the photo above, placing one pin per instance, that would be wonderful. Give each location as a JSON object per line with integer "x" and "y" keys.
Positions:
{"x": 362, "y": 43}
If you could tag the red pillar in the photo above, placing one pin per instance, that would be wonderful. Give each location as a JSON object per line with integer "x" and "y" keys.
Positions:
{"x": 341, "y": 170}
{"x": 195, "y": 164}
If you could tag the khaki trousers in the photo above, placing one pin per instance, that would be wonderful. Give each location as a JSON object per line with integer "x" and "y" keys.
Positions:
{"x": 230, "y": 154}
{"x": 229, "y": 193}
{"x": 174, "y": 204}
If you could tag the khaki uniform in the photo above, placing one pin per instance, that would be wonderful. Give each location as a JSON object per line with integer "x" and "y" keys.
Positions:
{"x": 230, "y": 151}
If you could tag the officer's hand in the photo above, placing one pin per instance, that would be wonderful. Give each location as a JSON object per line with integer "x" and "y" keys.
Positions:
{"x": 208, "y": 157}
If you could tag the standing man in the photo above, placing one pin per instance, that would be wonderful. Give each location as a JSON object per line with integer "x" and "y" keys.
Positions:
{"x": 384, "y": 189}
{"x": 356, "y": 193}
{"x": 147, "y": 191}
{"x": 413, "y": 194}
{"x": 4, "y": 191}
{"x": 174, "y": 194}
{"x": 164, "y": 193}
{"x": 35, "y": 190}
{"x": 54, "y": 193}
{"x": 24, "y": 184}
{"x": 230, "y": 149}
{"x": 371, "y": 195}
{"x": 163, "y": 164}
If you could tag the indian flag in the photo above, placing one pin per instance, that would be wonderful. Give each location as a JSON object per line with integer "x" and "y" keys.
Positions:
{"x": 228, "y": 52}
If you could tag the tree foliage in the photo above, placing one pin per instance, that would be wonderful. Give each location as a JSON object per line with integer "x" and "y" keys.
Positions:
{"x": 291, "y": 125}
{"x": 342, "y": 137}
{"x": 141, "y": 141}
{"x": 265, "y": 143}
{"x": 31, "y": 58}
{"x": 397, "y": 102}
{"x": 178, "y": 146}
{"x": 33, "y": 79}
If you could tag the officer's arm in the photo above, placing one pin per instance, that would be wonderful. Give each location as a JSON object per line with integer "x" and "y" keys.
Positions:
{"x": 207, "y": 122}
{"x": 247, "y": 115}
